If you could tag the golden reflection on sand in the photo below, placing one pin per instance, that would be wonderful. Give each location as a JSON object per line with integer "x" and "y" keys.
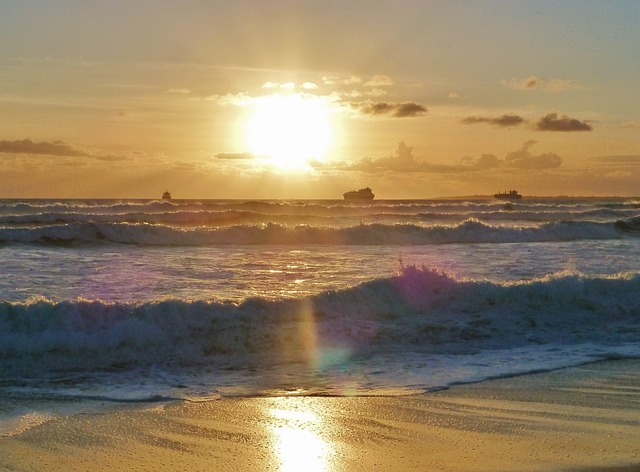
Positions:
{"x": 298, "y": 437}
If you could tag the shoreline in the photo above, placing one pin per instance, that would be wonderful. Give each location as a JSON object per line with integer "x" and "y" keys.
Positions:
{"x": 578, "y": 419}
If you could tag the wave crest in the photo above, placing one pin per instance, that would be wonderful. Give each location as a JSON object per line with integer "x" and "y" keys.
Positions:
{"x": 419, "y": 309}
{"x": 470, "y": 231}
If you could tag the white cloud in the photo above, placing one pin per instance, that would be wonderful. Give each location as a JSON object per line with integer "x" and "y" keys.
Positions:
{"x": 179, "y": 90}
{"x": 238, "y": 99}
{"x": 376, "y": 92}
{"x": 329, "y": 79}
{"x": 379, "y": 81}
{"x": 354, "y": 79}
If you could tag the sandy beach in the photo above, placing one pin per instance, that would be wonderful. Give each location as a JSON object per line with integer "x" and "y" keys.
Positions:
{"x": 578, "y": 419}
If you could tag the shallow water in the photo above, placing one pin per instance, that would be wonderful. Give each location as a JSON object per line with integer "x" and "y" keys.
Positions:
{"x": 131, "y": 273}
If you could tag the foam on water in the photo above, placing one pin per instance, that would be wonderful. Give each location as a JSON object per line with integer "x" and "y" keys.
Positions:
{"x": 470, "y": 231}
{"x": 418, "y": 313}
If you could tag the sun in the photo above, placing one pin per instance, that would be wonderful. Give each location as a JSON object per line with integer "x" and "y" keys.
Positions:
{"x": 290, "y": 130}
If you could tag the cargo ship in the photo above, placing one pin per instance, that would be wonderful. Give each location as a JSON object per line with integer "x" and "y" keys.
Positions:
{"x": 510, "y": 195}
{"x": 362, "y": 194}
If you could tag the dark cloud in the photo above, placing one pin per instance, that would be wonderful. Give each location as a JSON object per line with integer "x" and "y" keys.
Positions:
{"x": 524, "y": 159}
{"x": 504, "y": 120}
{"x": 530, "y": 83}
{"x": 548, "y": 85}
{"x": 396, "y": 110}
{"x": 235, "y": 155}
{"x": 406, "y": 110}
{"x": 54, "y": 148}
{"x": 111, "y": 157}
{"x": 551, "y": 122}
{"x": 380, "y": 108}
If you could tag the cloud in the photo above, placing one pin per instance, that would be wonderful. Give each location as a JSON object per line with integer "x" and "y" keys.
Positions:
{"x": 354, "y": 79}
{"x": 277, "y": 85}
{"x": 235, "y": 155}
{"x": 380, "y": 108}
{"x": 54, "y": 148}
{"x": 524, "y": 159}
{"x": 376, "y": 92}
{"x": 189, "y": 166}
{"x": 238, "y": 99}
{"x": 548, "y": 85}
{"x": 353, "y": 94}
{"x": 618, "y": 174}
{"x": 530, "y": 83}
{"x": 405, "y": 162}
{"x": 379, "y": 81}
{"x": 485, "y": 161}
{"x": 183, "y": 91}
{"x": 330, "y": 79}
{"x": 406, "y": 110}
{"x": 551, "y": 122}
{"x": 503, "y": 121}
{"x": 111, "y": 157}
{"x": 396, "y": 110}
{"x": 560, "y": 85}
{"x": 623, "y": 159}
{"x": 402, "y": 161}
{"x": 520, "y": 159}
{"x": 630, "y": 125}
{"x": 454, "y": 95}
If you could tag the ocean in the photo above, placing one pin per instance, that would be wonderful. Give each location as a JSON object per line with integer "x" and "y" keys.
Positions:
{"x": 105, "y": 302}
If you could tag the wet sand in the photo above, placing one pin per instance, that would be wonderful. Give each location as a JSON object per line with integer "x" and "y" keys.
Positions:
{"x": 580, "y": 419}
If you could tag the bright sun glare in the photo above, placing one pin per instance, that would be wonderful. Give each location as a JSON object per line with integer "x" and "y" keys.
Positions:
{"x": 290, "y": 130}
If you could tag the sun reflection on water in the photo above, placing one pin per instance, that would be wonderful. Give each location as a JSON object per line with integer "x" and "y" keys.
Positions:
{"x": 298, "y": 440}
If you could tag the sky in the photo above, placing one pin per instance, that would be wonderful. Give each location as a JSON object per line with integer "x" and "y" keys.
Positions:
{"x": 309, "y": 99}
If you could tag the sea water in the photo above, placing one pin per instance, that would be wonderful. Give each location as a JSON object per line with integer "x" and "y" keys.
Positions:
{"x": 106, "y": 301}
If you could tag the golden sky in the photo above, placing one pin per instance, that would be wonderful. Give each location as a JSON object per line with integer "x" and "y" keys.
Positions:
{"x": 308, "y": 99}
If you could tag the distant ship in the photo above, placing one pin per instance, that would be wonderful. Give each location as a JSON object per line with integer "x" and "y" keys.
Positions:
{"x": 510, "y": 195}
{"x": 362, "y": 194}
{"x": 166, "y": 195}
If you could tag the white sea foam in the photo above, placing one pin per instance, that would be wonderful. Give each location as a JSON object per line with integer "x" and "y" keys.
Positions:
{"x": 420, "y": 310}
{"x": 470, "y": 231}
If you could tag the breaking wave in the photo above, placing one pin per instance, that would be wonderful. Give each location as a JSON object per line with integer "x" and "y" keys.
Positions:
{"x": 418, "y": 310}
{"x": 469, "y": 231}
